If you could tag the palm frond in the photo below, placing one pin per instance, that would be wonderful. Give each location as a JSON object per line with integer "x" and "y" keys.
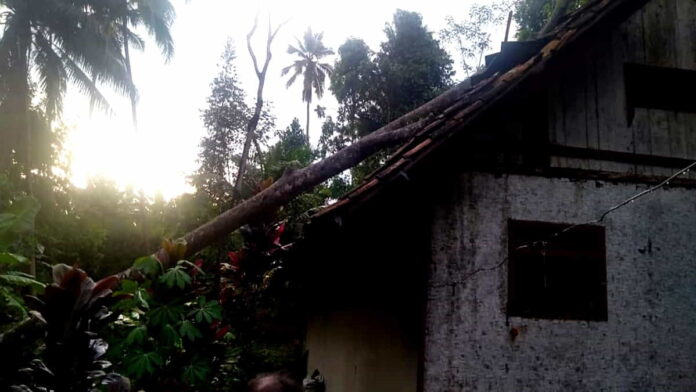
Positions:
{"x": 88, "y": 87}
{"x": 52, "y": 76}
{"x": 291, "y": 80}
{"x": 157, "y": 17}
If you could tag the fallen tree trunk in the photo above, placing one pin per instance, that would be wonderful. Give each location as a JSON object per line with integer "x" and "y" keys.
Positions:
{"x": 295, "y": 182}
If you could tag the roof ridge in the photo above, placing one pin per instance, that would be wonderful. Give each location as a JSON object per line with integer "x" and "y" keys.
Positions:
{"x": 479, "y": 97}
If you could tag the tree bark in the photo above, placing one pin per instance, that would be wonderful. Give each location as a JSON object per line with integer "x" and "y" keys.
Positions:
{"x": 24, "y": 56}
{"x": 254, "y": 121}
{"x": 126, "y": 53}
{"x": 307, "y": 128}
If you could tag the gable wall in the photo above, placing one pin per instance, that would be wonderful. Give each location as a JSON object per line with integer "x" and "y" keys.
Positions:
{"x": 647, "y": 343}
{"x": 587, "y": 103}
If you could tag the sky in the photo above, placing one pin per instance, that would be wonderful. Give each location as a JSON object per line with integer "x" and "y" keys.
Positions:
{"x": 161, "y": 153}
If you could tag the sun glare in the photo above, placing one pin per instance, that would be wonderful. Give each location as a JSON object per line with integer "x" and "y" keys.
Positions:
{"x": 159, "y": 156}
{"x": 112, "y": 149}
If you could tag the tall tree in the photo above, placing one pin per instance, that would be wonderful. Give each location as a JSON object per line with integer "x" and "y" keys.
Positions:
{"x": 372, "y": 89}
{"x": 356, "y": 84}
{"x": 226, "y": 119}
{"x": 157, "y": 17}
{"x": 535, "y": 17}
{"x": 310, "y": 52}
{"x": 254, "y": 120}
{"x": 471, "y": 36}
{"x": 412, "y": 64}
{"x": 46, "y": 44}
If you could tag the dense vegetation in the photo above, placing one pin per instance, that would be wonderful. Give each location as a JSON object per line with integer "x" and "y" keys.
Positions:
{"x": 214, "y": 321}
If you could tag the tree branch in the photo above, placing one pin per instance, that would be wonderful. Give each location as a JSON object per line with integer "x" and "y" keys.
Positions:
{"x": 254, "y": 120}
{"x": 251, "y": 51}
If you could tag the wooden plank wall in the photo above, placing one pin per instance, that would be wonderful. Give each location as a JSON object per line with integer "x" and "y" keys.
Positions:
{"x": 587, "y": 104}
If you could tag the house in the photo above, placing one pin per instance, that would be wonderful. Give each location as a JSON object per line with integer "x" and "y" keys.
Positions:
{"x": 476, "y": 259}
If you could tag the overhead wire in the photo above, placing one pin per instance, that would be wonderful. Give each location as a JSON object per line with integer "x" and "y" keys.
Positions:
{"x": 544, "y": 243}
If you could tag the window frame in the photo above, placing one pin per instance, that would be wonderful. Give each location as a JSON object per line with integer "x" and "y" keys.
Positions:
{"x": 546, "y": 289}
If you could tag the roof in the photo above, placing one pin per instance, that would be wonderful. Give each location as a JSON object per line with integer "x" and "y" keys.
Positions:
{"x": 504, "y": 73}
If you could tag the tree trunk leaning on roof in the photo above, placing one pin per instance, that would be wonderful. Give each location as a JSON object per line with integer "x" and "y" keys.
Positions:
{"x": 254, "y": 121}
{"x": 295, "y": 182}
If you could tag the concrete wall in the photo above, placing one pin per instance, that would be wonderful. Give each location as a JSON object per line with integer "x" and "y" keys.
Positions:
{"x": 648, "y": 342}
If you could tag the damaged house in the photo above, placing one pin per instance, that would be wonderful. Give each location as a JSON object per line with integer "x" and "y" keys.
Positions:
{"x": 488, "y": 256}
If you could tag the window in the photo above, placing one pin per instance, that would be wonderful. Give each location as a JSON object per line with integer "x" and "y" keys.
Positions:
{"x": 663, "y": 88}
{"x": 563, "y": 279}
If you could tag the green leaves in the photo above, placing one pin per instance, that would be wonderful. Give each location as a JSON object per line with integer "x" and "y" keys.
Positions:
{"x": 12, "y": 302}
{"x": 176, "y": 276}
{"x": 196, "y": 372}
{"x": 166, "y": 314}
{"x": 17, "y": 221}
{"x": 189, "y": 331}
{"x": 149, "y": 265}
{"x": 139, "y": 296}
{"x": 171, "y": 337}
{"x": 137, "y": 335}
{"x": 207, "y": 311}
{"x": 142, "y": 364}
{"x": 10, "y": 259}
{"x": 20, "y": 279}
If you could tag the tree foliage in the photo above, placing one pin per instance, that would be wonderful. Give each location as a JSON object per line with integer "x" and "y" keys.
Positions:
{"x": 471, "y": 37}
{"x": 532, "y": 15}
{"x": 372, "y": 89}
{"x": 225, "y": 119}
{"x": 413, "y": 67}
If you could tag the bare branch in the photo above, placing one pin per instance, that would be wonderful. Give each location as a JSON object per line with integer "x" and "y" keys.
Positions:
{"x": 254, "y": 120}
{"x": 251, "y": 51}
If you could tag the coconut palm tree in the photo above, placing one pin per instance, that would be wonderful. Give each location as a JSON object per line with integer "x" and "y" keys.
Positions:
{"x": 157, "y": 17}
{"x": 309, "y": 52}
{"x": 46, "y": 44}
{"x": 120, "y": 18}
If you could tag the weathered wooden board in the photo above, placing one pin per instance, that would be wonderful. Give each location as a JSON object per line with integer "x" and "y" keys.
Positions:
{"x": 633, "y": 49}
{"x": 556, "y": 120}
{"x": 641, "y": 137}
{"x": 689, "y": 120}
{"x": 678, "y": 133}
{"x": 685, "y": 44}
{"x": 659, "y": 32}
{"x": 685, "y": 31}
{"x": 592, "y": 111}
{"x": 615, "y": 135}
{"x": 575, "y": 107}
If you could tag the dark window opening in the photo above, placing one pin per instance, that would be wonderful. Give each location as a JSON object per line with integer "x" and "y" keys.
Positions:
{"x": 560, "y": 278}
{"x": 663, "y": 88}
